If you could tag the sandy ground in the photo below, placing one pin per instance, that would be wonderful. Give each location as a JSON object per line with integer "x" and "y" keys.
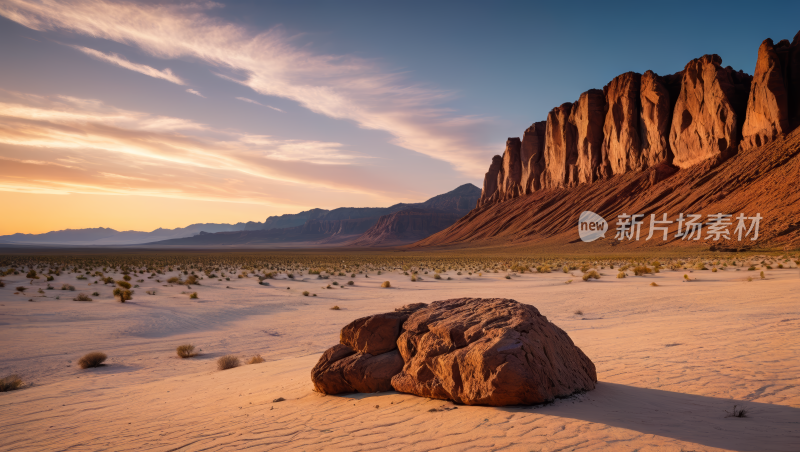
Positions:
{"x": 670, "y": 360}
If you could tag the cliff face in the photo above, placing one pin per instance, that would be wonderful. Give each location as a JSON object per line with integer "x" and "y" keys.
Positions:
{"x": 704, "y": 113}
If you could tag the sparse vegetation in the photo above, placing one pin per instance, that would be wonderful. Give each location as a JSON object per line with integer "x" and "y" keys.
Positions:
{"x": 256, "y": 359}
{"x": 386, "y": 284}
{"x": 227, "y": 362}
{"x": 736, "y": 412}
{"x": 622, "y": 275}
{"x": 654, "y": 284}
{"x": 193, "y": 295}
{"x": 123, "y": 295}
{"x": 335, "y": 308}
{"x": 124, "y": 284}
{"x": 93, "y": 359}
{"x": 82, "y": 297}
{"x": 10, "y": 383}
{"x": 591, "y": 274}
{"x": 578, "y": 312}
{"x": 306, "y": 293}
{"x": 186, "y": 351}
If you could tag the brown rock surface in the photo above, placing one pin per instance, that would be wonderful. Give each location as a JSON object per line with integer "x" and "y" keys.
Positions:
{"x": 509, "y": 178}
{"x": 374, "y": 334}
{"x": 532, "y": 157}
{"x": 560, "y": 152}
{"x": 493, "y": 352}
{"x": 490, "y": 180}
{"x": 588, "y": 115}
{"x": 622, "y": 148}
{"x": 707, "y": 114}
{"x": 790, "y": 55}
{"x": 656, "y": 116}
{"x": 342, "y": 370}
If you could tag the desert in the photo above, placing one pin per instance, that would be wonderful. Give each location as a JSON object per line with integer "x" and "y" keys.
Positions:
{"x": 675, "y": 351}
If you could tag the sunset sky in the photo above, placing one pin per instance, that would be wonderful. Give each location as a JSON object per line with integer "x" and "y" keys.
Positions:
{"x": 139, "y": 115}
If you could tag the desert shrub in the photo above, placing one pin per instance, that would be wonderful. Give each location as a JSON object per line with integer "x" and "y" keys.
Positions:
{"x": 82, "y": 297}
{"x": 350, "y": 283}
{"x": 93, "y": 359}
{"x": 654, "y": 284}
{"x": 122, "y": 295}
{"x": 713, "y": 269}
{"x": 640, "y": 270}
{"x": 591, "y": 274}
{"x": 22, "y": 289}
{"x": 191, "y": 279}
{"x": 386, "y": 284}
{"x": 565, "y": 269}
{"x": 32, "y": 274}
{"x": 578, "y": 312}
{"x": 306, "y": 293}
{"x": 108, "y": 280}
{"x": 762, "y": 275}
{"x": 256, "y": 359}
{"x": 413, "y": 277}
{"x": 335, "y": 308}
{"x": 622, "y": 275}
{"x": 50, "y": 278}
{"x": 126, "y": 278}
{"x": 780, "y": 265}
{"x": 736, "y": 412}
{"x": 686, "y": 277}
{"x": 2, "y": 284}
{"x": 174, "y": 280}
{"x": 335, "y": 283}
{"x": 540, "y": 269}
{"x": 10, "y": 383}
{"x": 193, "y": 295}
{"x": 436, "y": 276}
{"x": 227, "y": 362}
{"x": 124, "y": 284}
{"x": 584, "y": 268}
{"x": 185, "y": 351}
{"x": 508, "y": 276}
{"x": 751, "y": 268}
{"x": 749, "y": 279}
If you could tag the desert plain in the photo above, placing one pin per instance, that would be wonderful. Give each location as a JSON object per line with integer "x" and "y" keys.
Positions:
{"x": 672, "y": 359}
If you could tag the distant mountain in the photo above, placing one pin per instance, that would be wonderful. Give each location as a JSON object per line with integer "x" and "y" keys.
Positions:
{"x": 346, "y": 225}
{"x": 108, "y": 236}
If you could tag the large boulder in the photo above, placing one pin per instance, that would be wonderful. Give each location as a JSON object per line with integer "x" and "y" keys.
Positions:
{"x": 709, "y": 112}
{"x": 532, "y": 156}
{"x": 490, "y": 181}
{"x": 588, "y": 115}
{"x": 622, "y": 148}
{"x": 342, "y": 370}
{"x": 560, "y": 151}
{"x": 374, "y": 334}
{"x": 489, "y": 352}
{"x": 656, "y": 116}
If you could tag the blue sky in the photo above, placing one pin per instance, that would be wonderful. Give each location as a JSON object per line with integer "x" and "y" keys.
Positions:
{"x": 233, "y": 111}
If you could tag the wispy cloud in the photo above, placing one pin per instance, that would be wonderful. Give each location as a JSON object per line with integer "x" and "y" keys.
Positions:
{"x": 113, "y": 58}
{"x": 251, "y": 101}
{"x": 60, "y": 144}
{"x": 271, "y": 64}
{"x": 195, "y": 92}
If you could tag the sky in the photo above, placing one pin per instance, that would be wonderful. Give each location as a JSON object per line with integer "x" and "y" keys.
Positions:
{"x": 139, "y": 115}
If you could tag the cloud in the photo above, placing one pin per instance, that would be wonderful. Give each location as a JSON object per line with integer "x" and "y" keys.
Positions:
{"x": 270, "y": 63}
{"x": 113, "y": 58}
{"x": 196, "y": 93}
{"x": 61, "y": 144}
{"x": 251, "y": 101}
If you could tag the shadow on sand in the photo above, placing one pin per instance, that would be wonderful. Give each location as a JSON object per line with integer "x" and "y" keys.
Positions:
{"x": 685, "y": 417}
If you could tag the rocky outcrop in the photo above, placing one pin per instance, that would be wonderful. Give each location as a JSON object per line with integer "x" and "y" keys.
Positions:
{"x": 366, "y": 358}
{"x": 587, "y": 116}
{"x": 406, "y": 226}
{"x": 622, "y": 148}
{"x": 656, "y": 116}
{"x": 490, "y": 180}
{"x": 770, "y": 111}
{"x": 560, "y": 151}
{"x": 510, "y": 176}
{"x": 708, "y": 113}
{"x": 492, "y": 352}
{"x": 532, "y": 157}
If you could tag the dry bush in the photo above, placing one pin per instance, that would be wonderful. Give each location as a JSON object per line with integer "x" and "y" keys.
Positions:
{"x": 736, "y": 412}
{"x": 93, "y": 359}
{"x": 10, "y": 383}
{"x": 186, "y": 351}
{"x": 122, "y": 295}
{"x": 191, "y": 279}
{"x": 227, "y": 362}
{"x": 413, "y": 277}
{"x": 578, "y": 312}
{"x": 306, "y": 293}
{"x": 540, "y": 269}
{"x": 591, "y": 274}
{"x": 82, "y": 297}
{"x": 22, "y": 289}
{"x": 436, "y": 276}
{"x": 174, "y": 280}
{"x": 193, "y": 295}
{"x": 654, "y": 284}
{"x": 124, "y": 284}
{"x": 640, "y": 270}
{"x": 335, "y": 308}
{"x": 256, "y": 359}
{"x": 350, "y": 283}
{"x": 386, "y": 284}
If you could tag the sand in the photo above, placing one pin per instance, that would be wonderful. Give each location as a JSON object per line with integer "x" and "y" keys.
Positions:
{"x": 670, "y": 360}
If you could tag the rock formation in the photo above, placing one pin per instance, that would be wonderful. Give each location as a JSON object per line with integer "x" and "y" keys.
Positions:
{"x": 705, "y": 123}
{"x": 656, "y": 116}
{"x": 406, "y": 226}
{"x": 367, "y": 357}
{"x": 511, "y": 174}
{"x": 490, "y": 180}
{"x": 532, "y": 157}
{"x": 493, "y": 352}
{"x": 473, "y": 351}
{"x": 622, "y": 148}
{"x": 560, "y": 151}
{"x": 773, "y": 106}
{"x": 587, "y": 116}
